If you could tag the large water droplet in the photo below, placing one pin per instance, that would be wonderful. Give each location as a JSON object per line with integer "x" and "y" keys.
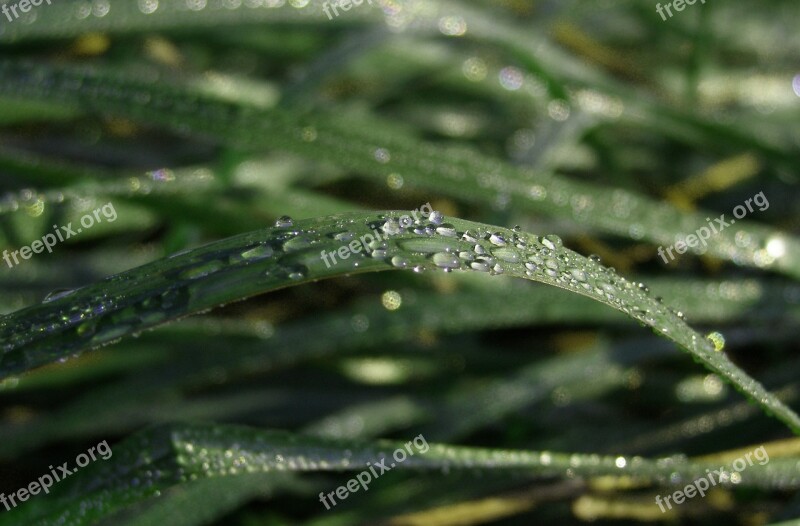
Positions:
{"x": 497, "y": 239}
{"x": 284, "y": 222}
{"x": 446, "y": 260}
{"x": 552, "y": 242}
{"x": 257, "y": 253}
{"x": 392, "y": 227}
{"x": 296, "y": 243}
{"x": 400, "y": 262}
{"x": 578, "y": 274}
{"x": 446, "y": 229}
{"x": 344, "y": 237}
{"x": 506, "y": 254}
{"x": 201, "y": 270}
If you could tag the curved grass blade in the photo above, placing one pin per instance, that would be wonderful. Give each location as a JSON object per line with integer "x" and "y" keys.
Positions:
{"x": 290, "y": 253}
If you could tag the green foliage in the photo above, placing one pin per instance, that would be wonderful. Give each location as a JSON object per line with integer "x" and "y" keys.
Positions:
{"x": 229, "y": 331}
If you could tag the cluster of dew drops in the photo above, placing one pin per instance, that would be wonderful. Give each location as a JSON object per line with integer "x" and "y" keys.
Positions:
{"x": 481, "y": 250}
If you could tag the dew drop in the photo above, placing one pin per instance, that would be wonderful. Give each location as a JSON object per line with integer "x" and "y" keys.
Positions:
{"x": 57, "y": 294}
{"x": 469, "y": 237}
{"x": 480, "y": 266}
{"x": 297, "y": 272}
{"x": 296, "y": 243}
{"x": 446, "y": 230}
{"x": 284, "y": 222}
{"x": 258, "y": 253}
{"x": 200, "y": 271}
{"x": 578, "y": 274}
{"x": 392, "y": 227}
{"x": 552, "y": 242}
{"x": 497, "y": 239}
{"x": 506, "y": 254}
{"x": 400, "y": 262}
{"x": 717, "y": 339}
{"x": 344, "y": 237}
{"x": 446, "y": 260}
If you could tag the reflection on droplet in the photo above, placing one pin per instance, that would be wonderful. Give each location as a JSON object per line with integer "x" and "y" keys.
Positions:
{"x": 57, "y": 294}
{"x": 717, "y": 339}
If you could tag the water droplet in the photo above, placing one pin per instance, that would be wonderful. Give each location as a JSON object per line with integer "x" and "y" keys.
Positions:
{"x": 506, "y": 254}
{"x": 392, "y": 227}
{"x": 446, "y": 230}
{"x": 284, "y": 222}
{"x": 400, "y": 262}
{"x": 258, "y": 253}
{"x": 201, "y": 270}
{"x": 717, "y": 339}
{"x": 344, "y": 237}
{"x": 436, "y": 217}
{"x": 552, "y": 242}
{"x": 480, "y": 266}
{"x": 497, "y": 239}
{"x": 297, "y": 272}
{"x": 446, "y": 260}
{"x": 57, "y": 294}
{"x": 578, "y": 274}
{"x": 296, "y": 243}
{"x": 469, "y": 237}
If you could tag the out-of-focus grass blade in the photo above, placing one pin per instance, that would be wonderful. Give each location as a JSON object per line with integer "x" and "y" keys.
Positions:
{"x": 155, "y": 460}
{"x": 363, "y": 146}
